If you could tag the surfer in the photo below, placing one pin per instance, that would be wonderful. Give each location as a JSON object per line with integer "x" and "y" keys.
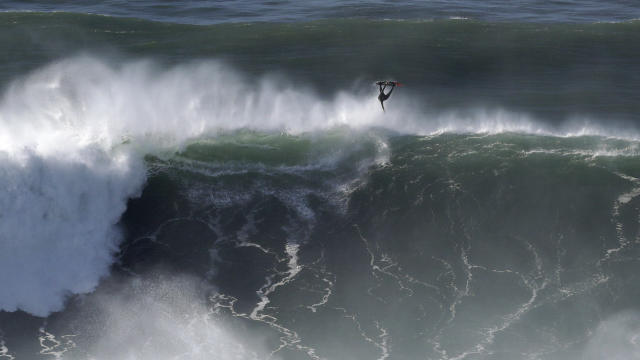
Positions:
{"x": 382, "y": 97}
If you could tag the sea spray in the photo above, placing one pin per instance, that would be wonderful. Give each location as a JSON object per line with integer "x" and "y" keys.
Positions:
{"x": 158, "y": 315}
{"x": 617, "y": 337}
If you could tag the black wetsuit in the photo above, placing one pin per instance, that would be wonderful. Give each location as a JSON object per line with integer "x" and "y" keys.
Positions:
{"x": 382, "y": 97}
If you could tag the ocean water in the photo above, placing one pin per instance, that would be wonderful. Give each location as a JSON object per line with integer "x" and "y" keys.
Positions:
{"x": 217, "y": 180}
{"x": 224, "y": 11}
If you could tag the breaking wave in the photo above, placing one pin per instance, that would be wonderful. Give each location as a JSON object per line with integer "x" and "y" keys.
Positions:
{"x": 74, "y": 134}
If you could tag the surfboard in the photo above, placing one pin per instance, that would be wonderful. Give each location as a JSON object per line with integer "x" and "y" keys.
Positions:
{"x": 394, "y": 83}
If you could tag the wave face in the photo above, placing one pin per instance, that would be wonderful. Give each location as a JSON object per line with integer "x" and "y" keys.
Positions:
{"x": 160, "y": 203}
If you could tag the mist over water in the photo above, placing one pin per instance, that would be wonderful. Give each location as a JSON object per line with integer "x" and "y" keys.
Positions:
{"x": 159, "y": 316}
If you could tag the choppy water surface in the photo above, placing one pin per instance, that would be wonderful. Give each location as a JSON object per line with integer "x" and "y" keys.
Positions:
{"x": 209, "y": 12}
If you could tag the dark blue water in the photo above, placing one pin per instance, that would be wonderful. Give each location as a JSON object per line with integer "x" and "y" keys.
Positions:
{"x": 212, "y": 12}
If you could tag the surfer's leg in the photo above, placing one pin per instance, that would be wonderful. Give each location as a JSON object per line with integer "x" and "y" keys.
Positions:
{"x": 390, "y": 91}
